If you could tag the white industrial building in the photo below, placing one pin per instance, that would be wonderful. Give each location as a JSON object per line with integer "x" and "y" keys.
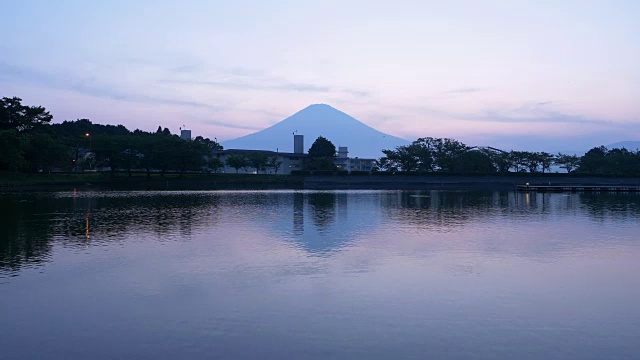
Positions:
{"x": 294, "y": 161}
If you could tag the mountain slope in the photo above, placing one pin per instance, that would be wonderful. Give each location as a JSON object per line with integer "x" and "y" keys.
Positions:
{"x": 320, "y": 120}
{"x": 629, "y": 145}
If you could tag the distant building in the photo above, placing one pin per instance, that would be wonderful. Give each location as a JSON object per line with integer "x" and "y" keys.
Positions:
{"x": 358, "y": 164}
{"x": 295, "y": 160}
{"x": 289, "y": 161}
{"x": 344, "y": 162}
{"x": 185, "y": 134}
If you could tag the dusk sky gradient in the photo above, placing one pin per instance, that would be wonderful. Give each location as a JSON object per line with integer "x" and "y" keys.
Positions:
{"x": 529, "y": 75}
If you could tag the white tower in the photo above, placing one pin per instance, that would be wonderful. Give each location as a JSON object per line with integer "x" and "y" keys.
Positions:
{"x": 298, "y": 144}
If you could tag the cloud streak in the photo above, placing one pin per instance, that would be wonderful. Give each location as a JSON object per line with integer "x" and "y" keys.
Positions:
{"x": 244, "y": 85}
{"x": 251, "y": 79}
{"x": 534, "y": 113}
{"x": 464, "y": 90}
{"x": 86, "y": 87}
{"x": 231, "y": 126}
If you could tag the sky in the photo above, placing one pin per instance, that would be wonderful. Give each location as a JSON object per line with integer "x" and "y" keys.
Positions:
{"x": 527, "y": 75}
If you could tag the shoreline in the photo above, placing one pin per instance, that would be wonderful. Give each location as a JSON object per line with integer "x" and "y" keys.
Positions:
{"x": 31, "y": 182}
{"x": 460, "y": 182}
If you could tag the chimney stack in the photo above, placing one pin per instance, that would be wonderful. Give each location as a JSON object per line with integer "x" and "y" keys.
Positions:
{"x": 298, "y": 144}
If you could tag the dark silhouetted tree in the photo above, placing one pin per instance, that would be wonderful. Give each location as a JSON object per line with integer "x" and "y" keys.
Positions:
{"x": 259, "y": 161}
{"x": 567, "y": 162}
{"x": 237, "y": 161}
{"x": 321, "y": 155}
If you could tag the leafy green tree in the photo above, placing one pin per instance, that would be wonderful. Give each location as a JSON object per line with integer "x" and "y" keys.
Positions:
{"x": 208, "y": 143}
{"x": 619, "y": 161}
{"x": 109, "y": 151}
{"x": 385, "y": 164}
{"x": 421, "y": 154}
{"x": 448, "y": 152}
{"x": 531, "y": 161}
{"x": 405, "y": 158}
{"x": 274, "y": 164}
{"x": 14, "y": 115}
{"x": 546, "y": 161}
{"x": 425, "y": 154}
{"x": 148, "y": 147}
{"x": 321, "y": 155}
{"x": 131, "y": 158}
{"x": 322, "y": 148}
{"x": 474, "y": 162}
{"x": 500, "y": 159}
{"x": 518, "y": 160}
{"x": 189, "y": 155}
{"x": 43, "y": 152}
{"x": 258, "y": 160}
{"x": 594, "y": 160}
{"x": 567, "y": 162}
{"x": 11, "y": 150}
{"x": 215, "y": 164}
{"x": 237, "y": 161}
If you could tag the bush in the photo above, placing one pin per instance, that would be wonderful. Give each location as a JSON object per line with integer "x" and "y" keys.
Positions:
{"x": 359, "y": 173}
{"x": 300, "y": 172}
{"x": 323, "y": 172}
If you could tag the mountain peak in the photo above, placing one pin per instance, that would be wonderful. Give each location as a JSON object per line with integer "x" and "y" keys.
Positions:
{"x": 319, "y": 107}
{"x": 320, "y": 120}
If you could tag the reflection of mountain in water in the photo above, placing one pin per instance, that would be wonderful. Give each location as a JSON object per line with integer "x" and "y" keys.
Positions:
{"x": 319, "y": 223}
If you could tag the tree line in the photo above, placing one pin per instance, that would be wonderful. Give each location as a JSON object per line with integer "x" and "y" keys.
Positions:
{"x": 30, "y": 143}
{"x": 450, "y": 155}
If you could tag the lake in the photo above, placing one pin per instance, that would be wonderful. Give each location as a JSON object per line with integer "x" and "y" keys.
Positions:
{"x": 319, "y": 275}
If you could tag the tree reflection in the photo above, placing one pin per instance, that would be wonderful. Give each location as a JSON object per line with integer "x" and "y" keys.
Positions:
{"x": 611, "y": 205}
{"x": 323, "y": 209}
{"x": 318, "y": 222}
{"x": 36, "y": 220}
{"x": 26, "y": 232}
{"x": 298, "y": 213}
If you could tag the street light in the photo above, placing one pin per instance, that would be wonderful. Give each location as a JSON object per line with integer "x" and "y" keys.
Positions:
{"x": 90, "y": 146}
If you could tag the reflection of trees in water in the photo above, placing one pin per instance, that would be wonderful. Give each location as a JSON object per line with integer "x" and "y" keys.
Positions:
{"x": 298, "y": 214}
{"x": 35, "y": 221}
{"x": 327, "y": 211}
{"x": 611, "y": 205}
{"x": 25, "y": 234}
{"x": 31, "y": 222}
{"x": 161, "y": 215}
{"x": 323, "y": 209}
{"x": 443, "y": 211}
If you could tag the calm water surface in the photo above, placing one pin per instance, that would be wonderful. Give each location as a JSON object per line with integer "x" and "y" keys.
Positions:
{"x": 317, "y": 275}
